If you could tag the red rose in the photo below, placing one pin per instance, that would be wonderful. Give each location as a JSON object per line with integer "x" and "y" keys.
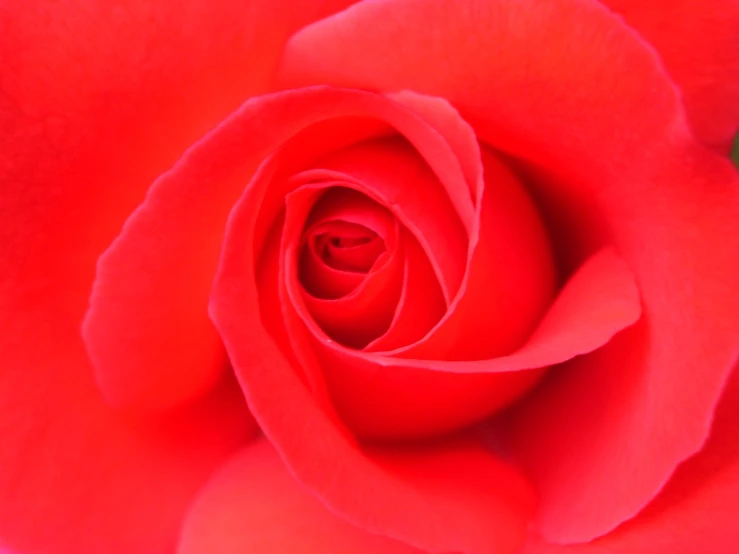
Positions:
{"x": 471, "y": 265}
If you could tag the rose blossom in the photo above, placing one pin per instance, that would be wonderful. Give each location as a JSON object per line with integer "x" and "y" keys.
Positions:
{"x": 470, "y": 265}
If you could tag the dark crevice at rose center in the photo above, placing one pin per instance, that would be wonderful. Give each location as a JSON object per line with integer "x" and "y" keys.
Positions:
{"x": 349, "y": 262}
{"x": 346, "y": 239}
{"x": 346, "y": 246}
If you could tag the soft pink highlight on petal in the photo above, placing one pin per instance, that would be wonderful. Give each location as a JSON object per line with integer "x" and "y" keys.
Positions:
{"x": 146, "y": 333}
{"x": 254, "y": 505}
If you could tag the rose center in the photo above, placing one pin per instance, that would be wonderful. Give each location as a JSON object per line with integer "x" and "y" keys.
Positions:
{"x": 347, "y": 246}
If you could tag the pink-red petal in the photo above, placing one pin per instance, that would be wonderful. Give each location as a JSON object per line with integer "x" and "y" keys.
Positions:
{"x": 509, "y": 280}
{"x": 96, "y": 100}
{"x": 695, "y": 512}
{"x": 399, "y": 178}
{"x": 453, "y": 487}
{"x": 566, "y": 86}
{"x": 432, "y": 498}
{"x": 254, "y": 505}
{"x": 385, "y": 396}
{"x": 79, "y": 478}
{"x": 421, "y": 304}
{"x": 145, "y": 331}
{"x": 138, "y": 290}
{"x": 698, "y": 44}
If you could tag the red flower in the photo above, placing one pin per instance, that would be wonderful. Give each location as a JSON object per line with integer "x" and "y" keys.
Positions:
{"x": 472, "y": 265}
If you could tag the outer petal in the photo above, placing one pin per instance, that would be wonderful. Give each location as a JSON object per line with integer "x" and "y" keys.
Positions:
{"x": 138, "y": 352}
{"x": 96, "y": 99}
{"x": 699, "y": 45}
{"x": 696, "y": 511}
{"x": 565, "y": 86}
{"x": 78, "y": 478}
{"x": 254, "y": 505}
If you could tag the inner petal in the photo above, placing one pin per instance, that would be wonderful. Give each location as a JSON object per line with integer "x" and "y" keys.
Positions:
{"x": 421, "y": 304}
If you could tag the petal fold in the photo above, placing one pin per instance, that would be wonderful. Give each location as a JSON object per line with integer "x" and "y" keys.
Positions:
{"x": 379, "y": 395}
{"x": 566, "y": 87}
{"x": 694, "y": 512}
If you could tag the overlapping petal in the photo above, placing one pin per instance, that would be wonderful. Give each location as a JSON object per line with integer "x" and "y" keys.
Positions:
{"x": 698, "y": 44}
{"x": 254, "y": 505}
{"x": 366, "y": 312}
{"x": 575, "y": 94}
{"x": 695, "y": 510}
{"x": 96, "y": 99}
{"x": 112, "y": 93}
{"x": 161, "y": 325}
{"x": 286, "y": 397}
{"x": 381, "y": 395}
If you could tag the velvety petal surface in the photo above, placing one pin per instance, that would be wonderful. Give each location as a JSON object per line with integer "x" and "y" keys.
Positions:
{"x": 96, "y": 99}
{"x": 80, "y": 478}
{"x": 510, "y": 276}
{"x": 254, "y": 505}
{"x": 698, "y": 44}
{"x": 421, "y": 304}
{"x": 151, "y": 349}
{"x": 694, "y": 512}
{"x": 566, "y": 86}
